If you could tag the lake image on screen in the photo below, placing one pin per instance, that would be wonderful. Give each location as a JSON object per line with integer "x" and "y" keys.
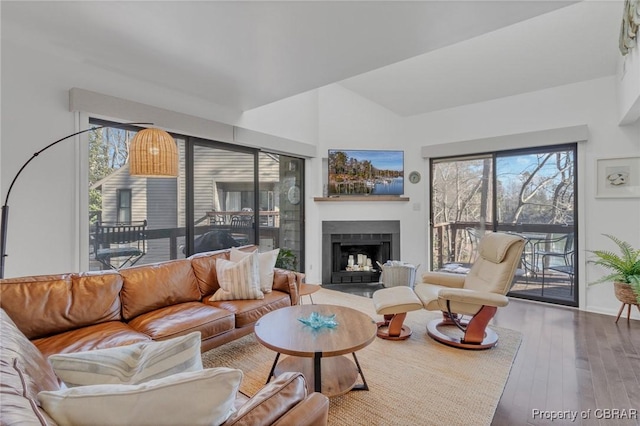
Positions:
{"x": 362, "y": 172}
{"x": 393, "y": 186}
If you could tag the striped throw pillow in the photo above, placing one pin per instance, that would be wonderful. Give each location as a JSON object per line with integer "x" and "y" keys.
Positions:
{"x": 238, "y": 280}
{"x": 131, "y": 364}
{"x": 266, "y": 261}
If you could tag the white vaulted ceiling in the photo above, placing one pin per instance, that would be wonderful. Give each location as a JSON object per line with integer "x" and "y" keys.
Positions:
{"x": 410, "y": 57}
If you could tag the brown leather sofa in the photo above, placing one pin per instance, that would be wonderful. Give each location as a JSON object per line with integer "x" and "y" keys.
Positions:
{"x": 78, "y": 312}
{"x": 94, "y": 310}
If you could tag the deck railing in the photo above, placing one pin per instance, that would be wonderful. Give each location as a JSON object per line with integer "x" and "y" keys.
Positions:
{"x": 175, "y": 235}
{"x": 452, "y": 244}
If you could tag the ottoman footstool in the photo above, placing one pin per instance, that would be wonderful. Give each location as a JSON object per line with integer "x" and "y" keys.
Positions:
{"x": 394, "y": 303}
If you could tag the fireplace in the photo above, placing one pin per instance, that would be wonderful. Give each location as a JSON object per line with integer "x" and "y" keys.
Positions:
{"x": 377, "y": 241}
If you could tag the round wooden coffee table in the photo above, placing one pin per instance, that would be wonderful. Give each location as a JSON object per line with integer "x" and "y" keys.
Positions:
{"x": 318, "y": 353}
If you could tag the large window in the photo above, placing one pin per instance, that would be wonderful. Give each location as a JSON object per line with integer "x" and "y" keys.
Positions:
{"x": 225, "y": 195}
{"x": 528, "y": 192}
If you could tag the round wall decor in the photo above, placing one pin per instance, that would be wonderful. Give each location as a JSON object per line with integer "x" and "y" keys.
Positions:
{"x": 414, "y": 177}
{"x": 294, "y": 195}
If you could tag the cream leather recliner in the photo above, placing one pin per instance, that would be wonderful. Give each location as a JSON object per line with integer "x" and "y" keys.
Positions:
{"x": 478, "y": 294}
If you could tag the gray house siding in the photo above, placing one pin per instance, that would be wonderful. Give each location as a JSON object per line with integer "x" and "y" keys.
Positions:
{"x": 122, "y": 180}
{"x": 220, "y": 176}
{"x": 218, "y": 172}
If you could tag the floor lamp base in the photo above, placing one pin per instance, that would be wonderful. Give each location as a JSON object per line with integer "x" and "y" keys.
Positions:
{"x": 3, "y": 238}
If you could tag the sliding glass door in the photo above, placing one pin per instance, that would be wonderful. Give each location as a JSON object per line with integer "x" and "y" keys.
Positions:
{"x": 222, "y": 197}
{"x": 288, "y": 223}
{"x": 225, "y": 195}
{"x": 531, "y": 193}
{"x": 461, "y": 206}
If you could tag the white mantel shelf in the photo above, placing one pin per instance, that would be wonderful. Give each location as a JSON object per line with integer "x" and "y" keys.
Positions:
{"x": 342, "y": 198}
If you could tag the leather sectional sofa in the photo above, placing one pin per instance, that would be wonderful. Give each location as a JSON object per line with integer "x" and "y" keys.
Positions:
{"x": 66, "y": 313}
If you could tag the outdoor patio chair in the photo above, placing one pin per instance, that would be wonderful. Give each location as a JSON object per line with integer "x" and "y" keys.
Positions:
{"x": 545, "y": 253}
{"x": 568, "y": 269}
{"x": 527, "y": 267}
{"x": 117, "y": 245}
{"x": 240, "y": 228}
{"x": 241, "y": 221}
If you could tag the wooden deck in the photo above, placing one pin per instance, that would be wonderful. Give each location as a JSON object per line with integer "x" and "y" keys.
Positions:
{"x": 556, "y": 286}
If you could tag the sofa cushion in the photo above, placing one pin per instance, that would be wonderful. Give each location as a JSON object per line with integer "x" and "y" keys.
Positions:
{"x": 238, "y": 280}
{"x": 194, "y": 398}
{"x": 54, "y": 297}
{"x": 99, "y": 336}
{"x": 247, "y": 312}
{"x": 131, "y": 364}
{"x": 20, "y": 407}
{"x": 204, "y": 268}
{"x": 267, "y": 261}
{"x": 150, "y": 287}
{"x": 184, "y": 318}
{"x": 24, "y": 372}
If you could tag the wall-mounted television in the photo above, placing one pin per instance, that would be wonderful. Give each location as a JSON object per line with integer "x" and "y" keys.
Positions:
{"x": 365, "y": 172}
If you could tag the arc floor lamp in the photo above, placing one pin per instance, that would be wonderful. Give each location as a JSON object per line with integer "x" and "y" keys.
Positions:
{"x": 152, "y": 153}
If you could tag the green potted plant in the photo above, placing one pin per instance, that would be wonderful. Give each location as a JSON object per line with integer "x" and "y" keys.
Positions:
{"x": 286, "y": 259}
{"x": 624, "y": 267}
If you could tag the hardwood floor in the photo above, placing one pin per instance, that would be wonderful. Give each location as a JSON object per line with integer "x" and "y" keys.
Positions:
{"x": 568, "y": 360}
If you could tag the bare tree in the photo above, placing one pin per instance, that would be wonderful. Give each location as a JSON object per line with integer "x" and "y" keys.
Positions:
{"x": 108, "y": 151}
{"x": 531, "y": 188}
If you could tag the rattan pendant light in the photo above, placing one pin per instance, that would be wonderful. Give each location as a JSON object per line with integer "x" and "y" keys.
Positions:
{"x": 153, "y": 153}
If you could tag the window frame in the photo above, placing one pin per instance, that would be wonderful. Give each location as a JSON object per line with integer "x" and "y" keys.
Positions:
{"x": 120, "y": 208}
{"x": 187, "y": 201}
{"x": 494, "y": 225}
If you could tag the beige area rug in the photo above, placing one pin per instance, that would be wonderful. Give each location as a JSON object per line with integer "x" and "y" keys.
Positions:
{"x": 412, "y": 382}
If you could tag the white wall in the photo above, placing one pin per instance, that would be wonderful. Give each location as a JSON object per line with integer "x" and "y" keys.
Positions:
{"x": 41, "y": 230}
{"x": 629, "y": 86}
{"x": 349, "y": 121}
{"x": 292, "y": 118}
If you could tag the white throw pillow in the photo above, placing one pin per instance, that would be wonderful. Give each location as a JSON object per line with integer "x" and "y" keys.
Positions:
{"x": 238, "y": 280}
{"x": 203, "y": 397}
{"x": 131, "y": 364}
{"x": 267, "y": 261}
